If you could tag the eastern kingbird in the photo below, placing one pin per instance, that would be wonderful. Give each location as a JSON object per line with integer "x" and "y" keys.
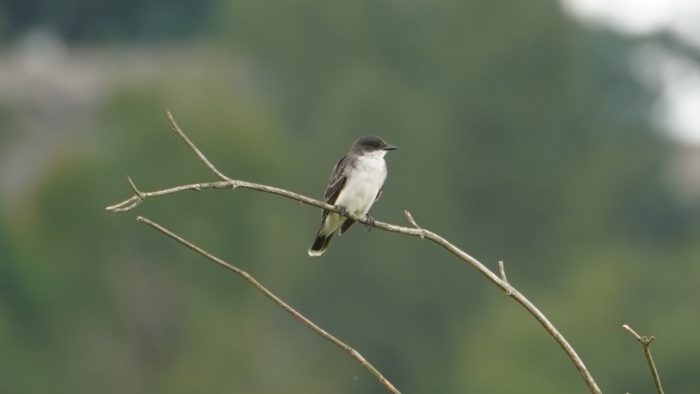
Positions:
{"x": 355, "y": 184}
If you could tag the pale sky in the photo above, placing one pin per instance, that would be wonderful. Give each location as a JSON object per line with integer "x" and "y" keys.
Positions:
{"x": 678, "y": 79}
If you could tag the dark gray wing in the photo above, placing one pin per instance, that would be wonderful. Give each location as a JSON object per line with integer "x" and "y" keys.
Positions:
{"x": 379, "y": 195}
{"x": 335, "y": 184}
{"x": 337, "y": 180}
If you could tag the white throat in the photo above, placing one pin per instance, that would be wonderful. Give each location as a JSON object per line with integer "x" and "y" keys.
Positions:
{"x": 376, "y": 154}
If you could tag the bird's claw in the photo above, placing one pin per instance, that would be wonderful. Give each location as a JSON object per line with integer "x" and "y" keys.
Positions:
{"x": 370, "y": 222}
{"x": 343, "y": 211}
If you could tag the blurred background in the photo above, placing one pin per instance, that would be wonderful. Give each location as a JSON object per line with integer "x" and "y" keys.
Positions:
{"x": 562, "y": 137}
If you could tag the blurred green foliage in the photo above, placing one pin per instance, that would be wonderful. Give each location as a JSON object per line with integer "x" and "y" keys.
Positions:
{"x": 104, "y": 20}
{"x": 523, "y": 137}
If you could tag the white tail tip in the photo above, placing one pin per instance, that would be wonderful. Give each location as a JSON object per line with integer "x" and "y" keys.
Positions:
{"x": 315, "y": 253}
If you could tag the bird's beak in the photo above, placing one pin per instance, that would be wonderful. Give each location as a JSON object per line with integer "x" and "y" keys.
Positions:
{"x": 391, "y": 147}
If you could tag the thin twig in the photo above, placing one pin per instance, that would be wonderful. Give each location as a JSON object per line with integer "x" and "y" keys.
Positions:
{"x": 267, "y": 293}
{"x": 646, "y": 341}
{"x": 137, "y": 199}
{"x": 194, "y": 148}
{"x": 136, "y": 191}
{"x": 411, "y": 220}
{"x": 412, "y": 231}
{"x": 502, "y": 270}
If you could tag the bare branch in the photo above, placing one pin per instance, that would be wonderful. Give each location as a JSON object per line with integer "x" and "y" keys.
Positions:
{"x": 415, "y": 231}
{"x": 502, "y": 270}
{"x": 415, "y": 225}
{"x": 194, "y": 148}
{"x": 646, "y": 343}
{"x": 136, "y": 191}
{"x": 270, "y": 295}
{"x": 137, "y": 199}
{"x": 125, "y": 205}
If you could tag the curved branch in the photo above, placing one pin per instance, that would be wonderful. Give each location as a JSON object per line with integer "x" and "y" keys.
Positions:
{"x": 267, "y": 293}
{"x": 415, "y": 231}
{"x": 646, "y": 341}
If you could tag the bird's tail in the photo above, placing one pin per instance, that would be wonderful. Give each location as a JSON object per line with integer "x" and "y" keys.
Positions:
{"x": 320, "y": 244}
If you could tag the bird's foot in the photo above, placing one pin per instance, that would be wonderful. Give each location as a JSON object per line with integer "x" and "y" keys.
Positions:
{"x": 343, "y": 211}
{"x": 370, "y": 222}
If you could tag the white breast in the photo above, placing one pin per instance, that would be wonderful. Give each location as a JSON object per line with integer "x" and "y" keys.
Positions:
{"x": 364, "y": 180}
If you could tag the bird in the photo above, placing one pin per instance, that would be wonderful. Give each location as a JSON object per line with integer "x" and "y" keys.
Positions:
{"x": 355, "y": 184}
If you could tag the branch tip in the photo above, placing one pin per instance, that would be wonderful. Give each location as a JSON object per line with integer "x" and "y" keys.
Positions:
{"x": 125, "y": 205}
{"x": 646, "y": 341}
{"x": 634, "y": 333}
{"x": 136, "y": 191}
{"x": 176, "y": 128}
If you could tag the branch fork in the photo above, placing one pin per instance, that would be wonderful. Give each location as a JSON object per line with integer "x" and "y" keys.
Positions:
{"x": 509, "y": 289}
{"x": 646, "y": 341}
{"x": 415, "y": 225}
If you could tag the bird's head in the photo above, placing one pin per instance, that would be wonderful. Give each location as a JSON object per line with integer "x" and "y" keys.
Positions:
{"x": 372, "y": 144}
